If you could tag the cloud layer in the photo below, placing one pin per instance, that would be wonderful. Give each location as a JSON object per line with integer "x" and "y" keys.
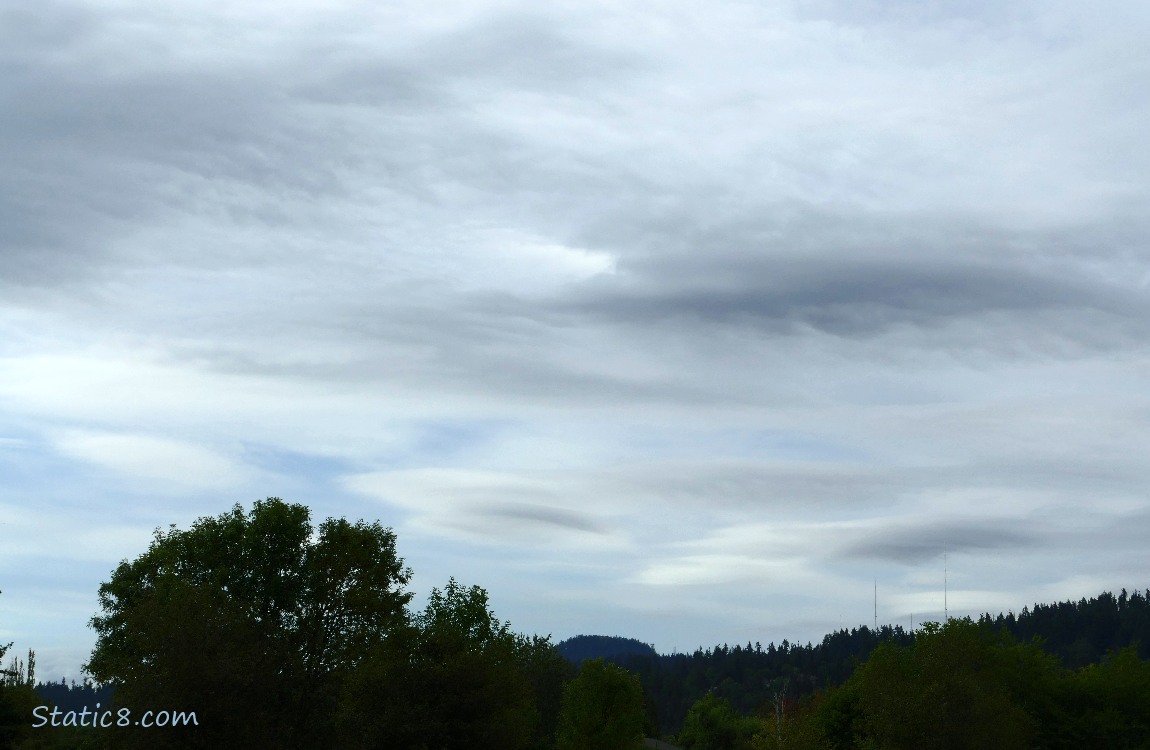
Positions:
{"x": 675, "y": 322}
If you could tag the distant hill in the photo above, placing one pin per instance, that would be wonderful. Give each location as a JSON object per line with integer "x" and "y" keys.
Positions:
{"x": 75, "y": 697}
{"x": 1082, "y": 632}
{"x": 607, "y": 647}
{"x": 1078, "y": 633}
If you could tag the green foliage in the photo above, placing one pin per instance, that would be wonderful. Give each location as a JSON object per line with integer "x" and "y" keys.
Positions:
{"x": 455, "y": 677}
{"x": 602, "y": 709}
{"x": 469, "y": 674}
{"x": 712, "y": 724}
{"x": 13, "y": 716}
{"x": 791, "y": 728}
{"x": 14, "y": 703}
{"x": 249, "y": 619}
{"x": 746, "y": 675}
{"x": 952, "y": 690}
{"x": 279, "y": 635}
{"x": 966, "y": 685}
{"x": 1107, "y": 705}
{"x": 18, "y": 700}
{"x": 1083, "y": 632}
{"x": 1080, "y": 633}
{"x": 548, "y": 672}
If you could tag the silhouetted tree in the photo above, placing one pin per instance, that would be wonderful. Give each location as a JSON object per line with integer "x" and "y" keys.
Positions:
{"x": 251, "y": 620}
{"x": 712, "y": 724}
{"x": 602, "y": 709}
{"x": 455, "y": 678}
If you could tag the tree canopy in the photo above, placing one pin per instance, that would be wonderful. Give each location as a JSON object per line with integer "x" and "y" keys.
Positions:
{"x": 712, "y": 724}
{"x": 454, "y": 677}
{"x": 281, "y": 635}
{"x": 253, "y": 609}
{"x": 969, "y": 685}
{"x": 602, "y": 709}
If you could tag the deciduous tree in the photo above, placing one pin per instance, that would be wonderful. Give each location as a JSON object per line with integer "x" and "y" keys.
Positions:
{"x": 457, "y": 679}
{"x": 602, "y": 709}
{"x": 251, "y": 620}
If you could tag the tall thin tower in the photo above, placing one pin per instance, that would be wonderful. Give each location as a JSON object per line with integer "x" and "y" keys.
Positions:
{"x": 945, "y": 608}
{"x": 876, "y": 605}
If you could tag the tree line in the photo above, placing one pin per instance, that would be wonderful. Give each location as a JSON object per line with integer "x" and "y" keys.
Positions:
{"x": 960, "y": 685}
{"x": 751, "y": 677}
{"x": 279, "y": 634}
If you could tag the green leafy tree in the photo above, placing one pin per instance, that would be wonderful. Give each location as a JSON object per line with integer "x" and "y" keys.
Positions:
{"x": 602, "y": 709}
{"x": 712, "y": 724}
{"x": 252, "y": 620}
{"x": 468, "y": 661}
{"x": 792, "y": 727}
{"x": 457, "y": 678}
{"x": 547, "y": 671}
{"x": 1107, "y": 705}
{"x": 961, "y": 685}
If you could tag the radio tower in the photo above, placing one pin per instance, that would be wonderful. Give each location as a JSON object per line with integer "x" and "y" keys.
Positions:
{"x": 945, "y": 609}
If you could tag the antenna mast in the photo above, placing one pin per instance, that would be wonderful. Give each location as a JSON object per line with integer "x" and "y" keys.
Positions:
{"x": 876, "y": 605}
{"x": 945, "y": 609}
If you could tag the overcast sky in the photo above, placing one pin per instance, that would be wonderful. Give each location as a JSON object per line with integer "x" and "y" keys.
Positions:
{"x": 679, "y": 321}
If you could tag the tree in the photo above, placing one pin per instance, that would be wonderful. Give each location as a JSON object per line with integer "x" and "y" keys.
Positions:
{"x": 469, "y": 669}
{"x": 1108, "y": 704}
{"x": 712, "y": 724}
{"x": 547, "y": 671}
{"x": 961, "y": 685}
{"x": 250, "y": 619}
{"x": 10, "y": 715}
{"x": 456, "y": 678}
{"x": 602, "y": 709}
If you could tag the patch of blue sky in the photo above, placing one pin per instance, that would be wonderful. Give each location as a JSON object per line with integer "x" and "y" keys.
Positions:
{"x": 312, "y": 467}
{"x": 442, "y": 441}
{"x": 34, "y": 473}
{"x": 794, "y": 445}
{"x": 413, "y": 445}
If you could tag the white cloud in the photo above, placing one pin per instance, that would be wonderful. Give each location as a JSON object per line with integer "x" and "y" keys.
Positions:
{"x": 692, "y": 570}
{"x": 156, "y": 459}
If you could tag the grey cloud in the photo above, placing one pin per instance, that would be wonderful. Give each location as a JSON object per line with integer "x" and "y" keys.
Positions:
{"x": 801, "y": 277}
{"x": 495, "y": 55}
{"x": 528, "y": 51}
{"x": 94, "y": 158}
{"x": 541, "y": 514}
{"x": 921, "y": 542}
{"x": 856, "y": 298}
{"x": 1128, "y": 530}
{"x": 757, "y": 487}
{"x": 308, "y": 134}
{"x": 890, "y": 263}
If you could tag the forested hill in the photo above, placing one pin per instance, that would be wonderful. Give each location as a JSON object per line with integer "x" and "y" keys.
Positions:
{"x": 610, "y": 647}
{"x": 1079, "y": 633}
{"x": 76, "y": 696}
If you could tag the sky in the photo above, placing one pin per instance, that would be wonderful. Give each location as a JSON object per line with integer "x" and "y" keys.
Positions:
{"x": 687, "y": 322}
